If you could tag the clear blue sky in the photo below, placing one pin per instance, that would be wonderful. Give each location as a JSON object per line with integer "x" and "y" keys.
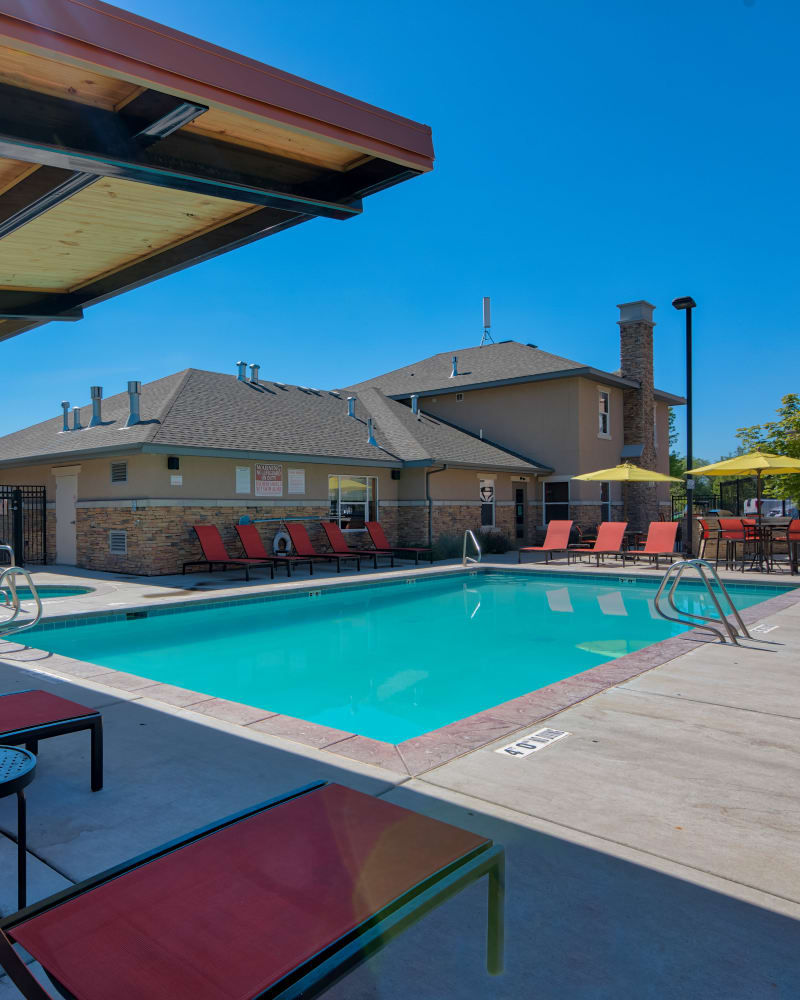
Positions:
{"x": 587, "y": 154}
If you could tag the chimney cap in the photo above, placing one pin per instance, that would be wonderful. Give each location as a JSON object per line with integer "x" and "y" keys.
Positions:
{"x": 640, "y": 311}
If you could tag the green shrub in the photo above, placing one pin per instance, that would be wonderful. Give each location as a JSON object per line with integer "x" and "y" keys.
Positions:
{"x": 448, "y": 546}
{"x": 494, "y": 542}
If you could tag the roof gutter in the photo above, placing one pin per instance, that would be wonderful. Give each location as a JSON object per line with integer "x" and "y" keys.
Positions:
{"x": 428, "y": 474}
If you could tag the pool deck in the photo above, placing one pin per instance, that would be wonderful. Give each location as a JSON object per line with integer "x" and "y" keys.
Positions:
{"x": 652, "y": 853}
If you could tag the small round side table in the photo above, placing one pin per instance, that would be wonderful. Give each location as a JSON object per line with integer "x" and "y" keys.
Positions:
{"x": 17, "y": 771}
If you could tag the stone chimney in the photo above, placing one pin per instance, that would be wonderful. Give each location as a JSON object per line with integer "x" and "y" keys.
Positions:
{"x": 636, "y": 363}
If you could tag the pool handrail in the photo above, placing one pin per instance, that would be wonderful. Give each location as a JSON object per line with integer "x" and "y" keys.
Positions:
{"x": 10, "y": 573}
{"x": 464, "y": 557}
{"x": 701, "y": 621}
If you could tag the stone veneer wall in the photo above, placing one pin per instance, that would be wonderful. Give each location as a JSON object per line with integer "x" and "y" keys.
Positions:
{"x": 50, "y": 532}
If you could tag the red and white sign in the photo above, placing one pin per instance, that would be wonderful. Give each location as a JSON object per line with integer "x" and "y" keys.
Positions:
{"x": 269, "y": 480}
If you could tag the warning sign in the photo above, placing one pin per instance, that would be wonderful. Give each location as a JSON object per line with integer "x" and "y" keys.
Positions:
{"x": 269, "y": 480}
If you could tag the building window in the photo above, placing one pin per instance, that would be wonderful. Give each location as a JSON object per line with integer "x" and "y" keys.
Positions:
{"x": 556, "y": 502}
{"x": 353, "y": 500}
{"x": 486, "y": 493}
{"x": 118, "y": 543}
{"x": 459, "y": 396}
{"x": 119, "y": 472}
{"x": 605, "y": 501}
{"x": 603, "y": 406}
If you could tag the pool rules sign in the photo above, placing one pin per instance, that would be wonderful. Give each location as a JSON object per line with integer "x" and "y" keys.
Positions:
{"x": 269, "y": 479}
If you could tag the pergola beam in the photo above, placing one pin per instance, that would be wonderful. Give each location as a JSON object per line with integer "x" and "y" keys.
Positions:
{"x": 139, "y": 145}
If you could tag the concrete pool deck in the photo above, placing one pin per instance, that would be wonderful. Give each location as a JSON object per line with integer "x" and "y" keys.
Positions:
{"x": 651, "y": 853}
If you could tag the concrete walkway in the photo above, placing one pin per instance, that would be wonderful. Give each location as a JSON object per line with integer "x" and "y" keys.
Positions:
{"x": 652, "y": 853}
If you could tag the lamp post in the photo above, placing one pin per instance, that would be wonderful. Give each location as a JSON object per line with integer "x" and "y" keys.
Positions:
{"x": 687, "y": 303}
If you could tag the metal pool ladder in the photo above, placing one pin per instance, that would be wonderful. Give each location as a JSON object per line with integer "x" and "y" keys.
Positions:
{"x": 11, "y": 573}
{"x": 464, "y": 557}
{"x": 674, "y": 573}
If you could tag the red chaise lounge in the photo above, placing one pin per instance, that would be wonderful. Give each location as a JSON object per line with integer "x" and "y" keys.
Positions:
{"x": 303, "y": 547}
{"x": 215, "y": 553}
{"x": 278, "y": 901}
{"x": 254, "y": 549}
{"x": 338, "y": 543}
{"x": 660, "y": 541}
{"x": 556, "y": 540}
{"x": 610, "y": 536}
{"x": 381, "y": 543}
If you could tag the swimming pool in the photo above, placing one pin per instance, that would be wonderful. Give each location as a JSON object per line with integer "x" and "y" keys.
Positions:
{"x": 393, "y": 660}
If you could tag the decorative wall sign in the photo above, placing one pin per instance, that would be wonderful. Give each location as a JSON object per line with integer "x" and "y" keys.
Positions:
{"x": 296, "y": 481}
{"x": 269, "y": 479}
{"x": 243, "y": 479}
{"x": 178, "y": 481}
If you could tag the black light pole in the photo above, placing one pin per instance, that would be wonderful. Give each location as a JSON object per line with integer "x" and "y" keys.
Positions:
{"x": 688, "y": 303}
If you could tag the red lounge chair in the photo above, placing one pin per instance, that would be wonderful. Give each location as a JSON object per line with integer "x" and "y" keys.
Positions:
{"x": 29, "y": 716}
{"x": 215, "y": 554}
{"x": 278, "y": 901}
{"x": 303, "y": 547}
{"x": 254, "y": 549}
{"x": 660, "y": 542}
{"x": 381, "y": 543}
{"x": 338, "y": 543}
{"x": 556, "y": 540}
{"x": 609, "y": 539}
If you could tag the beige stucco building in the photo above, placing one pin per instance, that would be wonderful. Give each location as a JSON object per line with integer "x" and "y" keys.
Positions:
{"x": 485, "y": 437}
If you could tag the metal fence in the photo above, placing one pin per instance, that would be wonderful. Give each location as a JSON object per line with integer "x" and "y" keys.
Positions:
{"x": 23, "y": 522}
{"x": 728, "y": 495}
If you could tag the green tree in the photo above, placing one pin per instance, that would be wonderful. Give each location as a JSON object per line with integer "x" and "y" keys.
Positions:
{"x": 781, "y": 437}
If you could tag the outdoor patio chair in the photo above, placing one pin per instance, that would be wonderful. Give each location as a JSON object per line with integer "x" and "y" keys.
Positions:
{"x": 707, "y": 532}
{"x": 338, "y": 543}
{"x": 254, "y": 549}
{"x": 215, "y": 554}
{"x": 556, "y": 540}
{"x": 660, "y": 541}
{"x": 381, "y": 543}
{"x": 278, "y": 901}
{"x": 29, "y": 716}
{"x": 609, "y": 540}
{"x": 303, "y": 547}
{"x": 735, "y": 531}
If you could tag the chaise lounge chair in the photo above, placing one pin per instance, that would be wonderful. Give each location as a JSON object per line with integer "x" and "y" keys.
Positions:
{"x": 556, "y": 540}
{"x": 215, "y": 554}
{"x": 29, "y": 716}
{"x": 303, "y": 547}
{"x": 278, "y": 901}
{"x": 338, "y": 543}
{"x": 660, "y": 542}
{"x": 610, "y": 536}
{"x": 254, "y": 549}
{"x": 381, "y": 543}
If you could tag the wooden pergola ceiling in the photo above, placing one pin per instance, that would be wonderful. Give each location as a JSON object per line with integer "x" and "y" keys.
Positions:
{"x": 129, "y": 151}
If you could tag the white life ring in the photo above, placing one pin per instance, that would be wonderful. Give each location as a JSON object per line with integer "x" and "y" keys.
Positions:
{"x": 282, "y": 543}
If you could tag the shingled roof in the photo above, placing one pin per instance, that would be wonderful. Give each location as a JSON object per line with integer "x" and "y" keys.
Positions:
{"x": 202, "y": 412}
{"x": 505, "y": 363}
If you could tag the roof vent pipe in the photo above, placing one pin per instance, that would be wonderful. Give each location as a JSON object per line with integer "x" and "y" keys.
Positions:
{"x": 242, "y": 366}
{"x": 76, "y": 418}
{"x": 134, "y": 391}
{"x": 97, "y": 398}
{"x": 454, "y": 372}
{"x": 254, "y": 370}
{"x": 371, "y": 433}
{"x": 415, "y": 402}
{"x": 65, "y": 414}
{"x": 351, "y": 406}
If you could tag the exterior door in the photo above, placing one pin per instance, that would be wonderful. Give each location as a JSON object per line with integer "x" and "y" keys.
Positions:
{"x": 66, "y": 498}
{"x": 520, "y": 509}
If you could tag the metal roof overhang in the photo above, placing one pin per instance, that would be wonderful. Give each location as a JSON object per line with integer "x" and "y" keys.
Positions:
{"x": 129, "y": 151}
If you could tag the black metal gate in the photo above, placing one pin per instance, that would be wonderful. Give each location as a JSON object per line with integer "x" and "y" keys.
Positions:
{"x": 23, "y": 522}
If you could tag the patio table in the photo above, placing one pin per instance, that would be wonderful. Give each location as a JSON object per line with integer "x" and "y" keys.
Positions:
{"x": 17, "y": 771}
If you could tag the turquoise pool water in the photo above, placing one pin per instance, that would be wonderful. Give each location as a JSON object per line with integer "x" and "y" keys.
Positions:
{"x": 389, "y": 661}
{"x": 47, "y": 592}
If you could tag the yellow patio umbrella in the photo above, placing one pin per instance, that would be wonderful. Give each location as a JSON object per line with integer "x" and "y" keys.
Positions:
{"x": 754, "y": 463}
{"x": 627, "y": 472}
